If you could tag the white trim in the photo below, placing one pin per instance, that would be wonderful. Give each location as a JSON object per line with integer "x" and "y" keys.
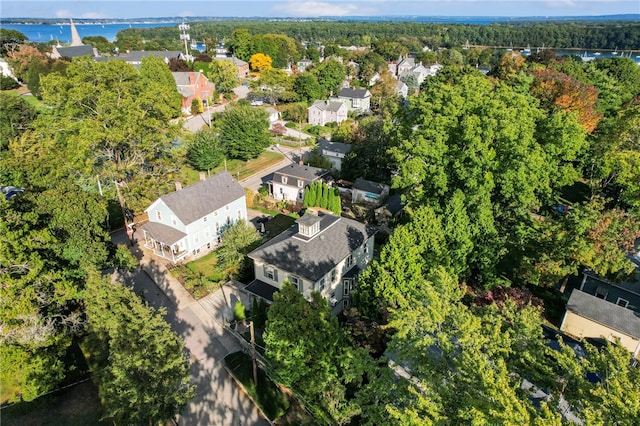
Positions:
{"x": 620, "y": 299}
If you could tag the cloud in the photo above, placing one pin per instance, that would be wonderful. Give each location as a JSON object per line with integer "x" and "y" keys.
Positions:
{"x": 94, "y": 15}
{"x": 317, "y": 8}
{"x": 63, "y": 13}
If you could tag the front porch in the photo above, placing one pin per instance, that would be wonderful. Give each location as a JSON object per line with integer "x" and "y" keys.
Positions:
{"x": 164, "y": 241}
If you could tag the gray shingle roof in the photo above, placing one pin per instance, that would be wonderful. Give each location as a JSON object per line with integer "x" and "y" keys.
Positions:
{"x": 195, "y": 201}
{"x": 262, "y": 289}
{"x": 314, "y": 258}
{"x": 75, "y": 51}
{"x": 342, "y": 148}
{"x": 606, "y": 313}
{"x": 137, "y": 55}
{"x": 369, "y": 186}
{"x": 295, "y": 170}
{"x": 163, "y": 233}
{"x": 354, "y": 93}
{"x": 327, "y": 105}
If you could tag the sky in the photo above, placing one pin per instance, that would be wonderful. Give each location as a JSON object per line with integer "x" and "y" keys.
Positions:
{"x": 270, "y": 8}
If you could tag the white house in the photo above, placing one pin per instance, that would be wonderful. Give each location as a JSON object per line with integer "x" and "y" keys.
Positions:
{"x": 274, "y": 114}
{"x": 356, "y": 99}
{"x": 323, "y": 112}
{"x": 366, "y": 191}
{"x": 192, "y": 219}
{"x": 289, "y": 182}
{"x": 321, "y": 252}
{"x": 333, "y": 151}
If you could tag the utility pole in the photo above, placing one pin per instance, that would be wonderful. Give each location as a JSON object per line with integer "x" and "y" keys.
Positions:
{"x": 253, "y": 355}
{"x": 184, "y": 36}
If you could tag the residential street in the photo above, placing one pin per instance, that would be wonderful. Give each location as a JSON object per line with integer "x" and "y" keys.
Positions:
{"x": 218, "y": 400}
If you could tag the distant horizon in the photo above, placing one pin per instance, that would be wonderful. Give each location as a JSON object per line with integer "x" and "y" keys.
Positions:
{"x": 332, "y": 9}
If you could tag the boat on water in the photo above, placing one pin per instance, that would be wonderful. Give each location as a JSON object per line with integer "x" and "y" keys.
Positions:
{"x": 527, "y": 50}
{"x": 597, "y": 53}
{"x": 615, "y": 52}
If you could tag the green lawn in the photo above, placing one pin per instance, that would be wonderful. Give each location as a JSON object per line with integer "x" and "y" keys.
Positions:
{"x": 201, "y": 276}
{"x": 238, "y": 169}
{"x": 267, "y": 395}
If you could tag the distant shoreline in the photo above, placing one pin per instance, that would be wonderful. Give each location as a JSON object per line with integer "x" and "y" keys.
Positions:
{"x": 384, "y": 18}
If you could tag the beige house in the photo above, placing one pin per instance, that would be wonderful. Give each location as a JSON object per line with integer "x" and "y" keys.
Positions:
{"x": 323, "y": 112}
{"x": 321, "y": 252}
{"x": 600, "y": 309}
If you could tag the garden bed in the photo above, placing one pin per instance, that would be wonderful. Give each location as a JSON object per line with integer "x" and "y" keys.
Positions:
{"x": 201, "y": 276}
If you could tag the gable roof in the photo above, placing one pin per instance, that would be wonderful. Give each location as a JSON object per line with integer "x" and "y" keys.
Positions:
{"x": 196, "y": 201}
{"x": 75, "y": 51}
{"x": 313, "y": 258}
{"x": 369, "y": 186}
{"x": 328, "y": 105}
{"x": 235, "y": 61}
{"x": 606, "y": 313}
{"x": 302, "y": 172}
{"x": 354, "y": 93}
{"x": 341, "y": 148}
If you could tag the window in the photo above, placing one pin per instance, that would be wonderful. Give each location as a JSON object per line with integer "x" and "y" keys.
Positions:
{"x": 333, "y": 275}
{"x": 239, "y": 214}
{"x": 204, "y": 219}
{"x": 366, "y": 248}
{"x": 227, "y": 207}
{"x": 228, "y": 220}
{"x": 300, "y": 183}
{"x": 346, "y": 286}
{"x": 601, "y": 293}
{"x": 158, "y": 215}
{"x": 350, "y": 261}
{"x": 284, "y": 179}
{"x": 215, "y": 213}
{"x": 622, "y": 302}
{"x": 295, "y": 281}
{"x": 320, "y": 285}
{"x": 345, "y": 304}
{"x": 270, "y": 273}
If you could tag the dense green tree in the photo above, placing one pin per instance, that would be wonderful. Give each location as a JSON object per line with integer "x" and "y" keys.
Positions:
{"x": 138, "y": 361}
{"x": 274, "y": 84}
{"x": 204, "y": 151}
{"x": 237, "y": 241}
{"x": 385, "y": 98}
{"x": 318, "y": 194}
{"x": 240, "y": 44}
{"x": 244, "y": 131}
{"x": 224, "y": 75}
{"x": 281, "y": 48}
{"x": 156, "y": 76}
{"x": 368, "y": 157}
{"x": 8, "y": 83}
{"x": 104, "y": 46}
{"x": 308, "y": 351}
{"x": 330, "y": 74}
{"x": 307, "y": 87}
{"x": 16, "y": 116}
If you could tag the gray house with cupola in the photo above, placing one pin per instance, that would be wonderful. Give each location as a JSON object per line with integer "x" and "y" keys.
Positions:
{"x": 191, "y": 220}
{"x": 320, "y": 252}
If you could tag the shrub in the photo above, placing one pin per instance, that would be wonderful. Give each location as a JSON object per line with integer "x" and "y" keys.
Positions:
{"x": 291, "y": 125}
{"x": 7, "y": 83}
{"x": 239, "y": 313}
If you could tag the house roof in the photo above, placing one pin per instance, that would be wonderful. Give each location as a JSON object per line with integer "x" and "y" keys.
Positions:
{"x": 182, "y": 77}
{"x": 302, "y": 172}
{"x": 196, "y": 201}
{"x": 369, "y": 186}
{"x": 354, "y": 93}
{"x": 235, "y": 61}
{"x": 75, "y": 51}
{"x": 313, "y": 258}
{"x": 262, "y": 289}
{"x": 163, "y": 233}
{"x": 341, "y": 148}
{"x": 328, "y": 105}
{"x": 136, "y": 56}
{"x": 628, "y": 286}
{"x": 606, "y": 313}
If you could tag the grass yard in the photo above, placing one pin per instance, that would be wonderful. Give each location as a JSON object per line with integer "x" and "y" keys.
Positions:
{"x": 201, "y": 276}
{"x": 267, "y": 395}
{"x": 78, "y": 405}
{"x": 238, "y": 169}
{"x": 279, "y": 223}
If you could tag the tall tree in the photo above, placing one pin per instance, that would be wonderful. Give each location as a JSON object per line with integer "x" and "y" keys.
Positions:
{"x": 244, "y": 131}
{"x": 330, "y": 74}
{"x": 307, "y": 87}
{"x": 16, "y": 116}
{"x": 205, "y": 151}
{"x": 260, "y": 62}
{"x": 140, "y": 363}
{"x": 240, "y": 44}
{"x": 224, "y": 75}
{"x": 156, "y": 76}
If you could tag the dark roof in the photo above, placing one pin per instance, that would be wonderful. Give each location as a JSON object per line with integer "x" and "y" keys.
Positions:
{"x": 163, "y": 233}
{"x": 262, "y": 289}
{"x": 302, "y": 172}
{"x": 394, "y": 204}
{"x": 137, "y": 55}
{"x": 342, "y": 148}
{"x": 606, "y": 313}
{"x": 628, "y": 286}
{"x": 75, "y": 51}
{"x": 313, "y": 258}
{"x": 354, "y": 93}
{"x": 196, "y": 201}
{"x": 369, "y": 186}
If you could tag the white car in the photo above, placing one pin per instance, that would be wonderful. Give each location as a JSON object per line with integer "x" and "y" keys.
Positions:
{"x": 256, "y": 103}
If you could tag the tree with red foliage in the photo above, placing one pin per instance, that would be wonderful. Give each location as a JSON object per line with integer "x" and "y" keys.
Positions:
{"x": 556, "y": 89}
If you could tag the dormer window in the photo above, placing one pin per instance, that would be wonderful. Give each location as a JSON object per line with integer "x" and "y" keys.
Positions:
{"x": 284, "y": 179}
{"x": 300, "y": 183}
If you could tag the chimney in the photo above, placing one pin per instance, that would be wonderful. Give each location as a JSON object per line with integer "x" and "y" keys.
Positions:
{"x": 203, "y": 176}
{"x": 178, "y": 186}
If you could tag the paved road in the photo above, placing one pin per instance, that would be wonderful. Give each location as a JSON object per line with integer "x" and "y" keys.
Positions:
{"x": 218, "y": 400}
